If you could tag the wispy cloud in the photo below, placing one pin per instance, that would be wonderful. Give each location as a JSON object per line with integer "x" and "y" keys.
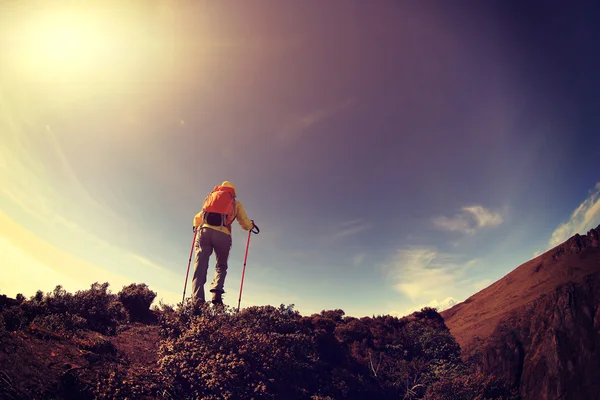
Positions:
{"x": 28, "y": 184}
{"x": 482, "y": 284}
{"x": 470, "y": 220}
{"x": 358, "y": 259}
{"x": 41, "y": 184}
{"x": 146, "y": 262}
{"x": 346, "y": 229}
{"x": 350, "y": 231}
{"x": 584, "y": 218}
{"x": 301, "y": 124}
{"x": 440, "y": 306}
{"x": 424, "y": 275}
{"x": 33, "y": 263}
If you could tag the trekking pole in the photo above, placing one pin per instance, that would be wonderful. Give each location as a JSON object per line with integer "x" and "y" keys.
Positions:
{"x": 188, "y": 268}
{"x": 245, "y": 258}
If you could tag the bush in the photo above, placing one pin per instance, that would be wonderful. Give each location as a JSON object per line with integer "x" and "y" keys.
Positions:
{"x": 469, "y": 385}
{"x": 95, "y": 343}
{"x": 130, "y": 383}
{"x": 137, "y": 298}
{"x": 268, "y": 352}
{"x": 100, "y": 308}
{"x": 65, "y": 322}
{"x": 14, "y": 318}
{"x": 261, "y": 352}
{"x": 62, "y": 312}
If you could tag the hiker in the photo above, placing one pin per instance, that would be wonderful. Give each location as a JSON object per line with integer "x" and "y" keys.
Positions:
{"x": 213, "y": 232}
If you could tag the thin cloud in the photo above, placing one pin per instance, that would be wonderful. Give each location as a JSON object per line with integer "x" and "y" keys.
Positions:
{"x": 350, "y": 231}
{"x": 482, "y": 284}
{"x": 422, "y": 273}
{"x": 470, "y": 220}
{"x": 301, "y": 124}
{"x": 30, "y": 257}
{"x": 440, "y": 306}
{"x": 349, "y": 223}
{"x": 457, "y": 224}
{"x": 584, "y": 218}
{"x": 348, "y": 228}
{"x": 26, "y": 187}
{"x": 26, "y": 179}
{"x": 69, "y": 173}
{"x": 358, "y": 259}
{"x": 146, "y": 262}
{"x": 139, "y": 265}
{"x": 484, "y": 217}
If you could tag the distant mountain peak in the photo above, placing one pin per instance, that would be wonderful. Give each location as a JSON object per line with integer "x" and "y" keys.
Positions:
{"x": 446, "y": 304}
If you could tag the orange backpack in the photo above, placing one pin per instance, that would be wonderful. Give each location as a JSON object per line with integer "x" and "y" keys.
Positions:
{"x": 219, "y": 206}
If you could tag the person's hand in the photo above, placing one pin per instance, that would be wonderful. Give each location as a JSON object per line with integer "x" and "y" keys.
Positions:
{"x": 254, "y": 229}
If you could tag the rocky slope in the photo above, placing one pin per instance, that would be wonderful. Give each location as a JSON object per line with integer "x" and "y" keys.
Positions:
{"x": 538, "y": 328}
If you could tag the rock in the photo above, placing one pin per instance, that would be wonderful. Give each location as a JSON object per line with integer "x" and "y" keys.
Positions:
{"x": 541, "y": 333}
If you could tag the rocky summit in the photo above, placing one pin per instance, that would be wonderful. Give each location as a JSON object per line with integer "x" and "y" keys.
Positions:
{"x": 538, "y": 328}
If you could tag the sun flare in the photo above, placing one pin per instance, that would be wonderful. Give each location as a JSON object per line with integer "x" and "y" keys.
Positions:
{"x": 52, "y": 43}
{"x": 61, "y": 43}
{"x": 64, "y": 40}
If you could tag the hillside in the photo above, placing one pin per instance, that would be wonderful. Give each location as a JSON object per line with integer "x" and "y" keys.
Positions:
{"x": 534, "y": 334}
{"x": 537, "y": 328}
{"x": 97, "y": 345}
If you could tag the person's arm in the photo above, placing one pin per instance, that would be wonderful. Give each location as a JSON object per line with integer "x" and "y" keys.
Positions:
{"x": 198, "y": 220}
{"x": 242, "y": 218}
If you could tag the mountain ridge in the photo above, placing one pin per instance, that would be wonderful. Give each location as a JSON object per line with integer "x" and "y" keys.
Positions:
{"x": 524, "y": 327}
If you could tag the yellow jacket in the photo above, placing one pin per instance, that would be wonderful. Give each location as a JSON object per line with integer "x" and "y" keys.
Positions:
{"x": 241, "y": 217}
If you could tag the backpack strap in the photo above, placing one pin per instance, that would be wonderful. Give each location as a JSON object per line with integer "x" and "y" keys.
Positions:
{"x": 234, "y": 208}
{"x": 203, "y": 210}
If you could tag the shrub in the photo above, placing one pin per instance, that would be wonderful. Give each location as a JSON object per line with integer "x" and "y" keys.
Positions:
{"x": 59, "y": 311}
{"x": 137, "y": 298}
{"x": 65, "y": 322}
{"x": 95, "y": 343}
{"x": 261, "y": 352}
{"x": 13, "y": 318}
{"x": 100, "y": 308}
{"x": 353, "y": 331}
{"x": 5, "y": 301}
{"x": 130, "y": 383}
{"x": 468, "y": 385}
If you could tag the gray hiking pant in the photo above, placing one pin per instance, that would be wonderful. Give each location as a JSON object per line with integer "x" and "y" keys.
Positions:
{"x": 208, "y": 240}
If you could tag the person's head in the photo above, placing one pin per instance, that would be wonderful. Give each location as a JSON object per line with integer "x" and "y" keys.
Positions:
{"x": 228, "y": 184}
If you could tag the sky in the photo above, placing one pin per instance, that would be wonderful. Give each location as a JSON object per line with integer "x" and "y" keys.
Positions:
{"x": 395, "y": 155}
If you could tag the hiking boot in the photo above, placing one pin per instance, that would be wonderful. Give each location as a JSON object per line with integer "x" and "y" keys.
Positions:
{"x": 216, "y": 297}
{"x": 197, "y": 307}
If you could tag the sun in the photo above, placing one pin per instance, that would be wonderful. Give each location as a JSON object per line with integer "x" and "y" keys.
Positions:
{"x": 61, "y": 43}
{"x": 67, "y": 51}
{"x": 67, "y": 39}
